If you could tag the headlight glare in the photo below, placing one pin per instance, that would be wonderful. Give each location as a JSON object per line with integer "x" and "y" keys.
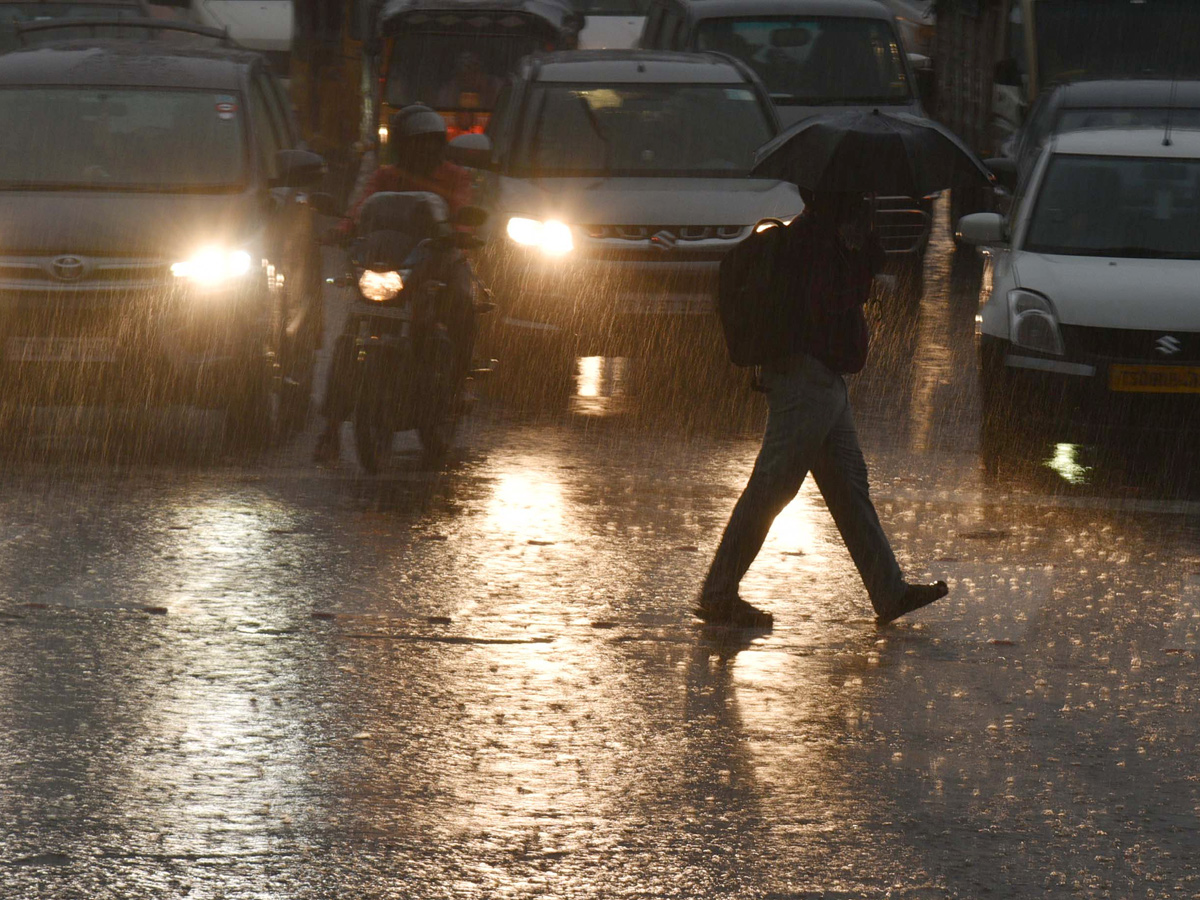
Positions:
{"x": 380, "y": 286}
{"x": 213, "y": 266}
{"x": 552, "y": 237}
{"x": 1033, "y": 324}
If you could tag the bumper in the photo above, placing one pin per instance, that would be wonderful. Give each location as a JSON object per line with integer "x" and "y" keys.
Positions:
{"x": 160, "y": 345}
{"x": 1086, "y": 396}
{"x": 599, "y": 297}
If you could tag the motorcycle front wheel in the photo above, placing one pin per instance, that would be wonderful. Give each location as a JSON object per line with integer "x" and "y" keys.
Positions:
{"x": 439, "y": 418}
{"x": 372, "y": 427}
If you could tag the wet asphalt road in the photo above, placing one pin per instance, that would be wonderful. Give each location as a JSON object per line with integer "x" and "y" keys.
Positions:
{"x": 222, "y": 679}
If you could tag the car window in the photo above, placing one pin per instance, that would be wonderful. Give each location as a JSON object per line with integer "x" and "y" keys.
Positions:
{"x": 499, "y": 126}
{"x": 669, "y": 28}
{"x": 642, "y": 130}
{"x": 275, "y": 111}
{"x": 813, "y": 60}
{"x": 121, "y": 139}
{"x": 282, "y": 109}
{"x": 1132, "y": 207}
{"x": 653, "y": 27}
{"x": 266, "y": 134}
{"x": 454, "y": 71}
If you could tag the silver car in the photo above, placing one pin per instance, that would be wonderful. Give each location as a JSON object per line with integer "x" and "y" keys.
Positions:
{"x": 616, "y": 181}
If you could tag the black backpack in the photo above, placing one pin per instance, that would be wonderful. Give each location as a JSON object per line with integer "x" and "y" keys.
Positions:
{"x": 753, "y": 294}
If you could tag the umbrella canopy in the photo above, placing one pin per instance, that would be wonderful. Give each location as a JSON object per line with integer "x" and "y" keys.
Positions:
{"x": 867, "y": 152}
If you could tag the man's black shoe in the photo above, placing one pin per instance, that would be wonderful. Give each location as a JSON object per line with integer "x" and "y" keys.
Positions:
{"x": 732, "y": 611}
{"x": 914, "y": 597}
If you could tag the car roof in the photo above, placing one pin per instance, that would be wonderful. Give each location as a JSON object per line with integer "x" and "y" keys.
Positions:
{"x": 133, "y": 3}
{"x": 124, "y": 62}
{"x": 638, "y": 66}
{"x": 1121, "y": 92}
{"x": 1148, "y": 142}
{"x": 724, "y": 9}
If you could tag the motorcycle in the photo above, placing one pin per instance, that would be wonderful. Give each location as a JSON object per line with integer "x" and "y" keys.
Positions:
{"x": 411, "y": 282}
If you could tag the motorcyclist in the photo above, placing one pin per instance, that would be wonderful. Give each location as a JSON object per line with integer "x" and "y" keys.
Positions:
{"x": 417, "y": 146}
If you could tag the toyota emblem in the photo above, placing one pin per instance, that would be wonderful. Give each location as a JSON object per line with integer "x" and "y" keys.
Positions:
{"x": 68, "y": 268}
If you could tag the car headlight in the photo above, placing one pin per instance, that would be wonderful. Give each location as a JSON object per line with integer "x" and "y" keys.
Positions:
{"x": 213, "y": 266}
{"x": 552, "y": 237}
{"x": 380, "y": 286}
{"x": 1032, "y": 323}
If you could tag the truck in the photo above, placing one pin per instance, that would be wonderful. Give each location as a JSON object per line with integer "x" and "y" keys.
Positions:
{"x": 994, "y": 57}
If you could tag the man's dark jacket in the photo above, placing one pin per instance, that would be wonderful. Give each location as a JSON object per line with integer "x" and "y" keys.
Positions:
{"x": 826, "y": 284}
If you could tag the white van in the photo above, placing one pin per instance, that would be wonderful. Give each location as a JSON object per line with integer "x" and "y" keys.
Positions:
{"x": 262, "y": 25}
{"x": 612, "y": 24}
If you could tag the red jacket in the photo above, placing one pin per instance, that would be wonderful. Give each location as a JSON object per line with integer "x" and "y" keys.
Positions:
{"x": 450, "y": 182}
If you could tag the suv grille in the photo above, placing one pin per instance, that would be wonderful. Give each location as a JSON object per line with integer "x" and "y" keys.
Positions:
{"x": 41, "y": 273}
{"x": 673, "y": 232}
{"x": 901, "y": 224}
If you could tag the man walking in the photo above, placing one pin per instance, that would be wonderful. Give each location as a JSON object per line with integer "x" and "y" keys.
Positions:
{"x": 831, "y": 256}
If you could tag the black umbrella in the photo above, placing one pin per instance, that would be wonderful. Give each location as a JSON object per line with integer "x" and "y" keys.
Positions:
{"x": 893, "y": 153}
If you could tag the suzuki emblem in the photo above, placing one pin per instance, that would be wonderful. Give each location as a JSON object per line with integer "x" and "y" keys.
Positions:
{"x": 68, "y": 268}
{"x": 1168, "y": 345}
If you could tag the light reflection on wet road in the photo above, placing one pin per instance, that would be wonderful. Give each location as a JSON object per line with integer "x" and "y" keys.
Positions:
{"x": 272, "y": 681}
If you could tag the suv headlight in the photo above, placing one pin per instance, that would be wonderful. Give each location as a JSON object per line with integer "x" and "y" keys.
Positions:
{"x": 1032, "y": 323}
{"x": 551, "y": 236}
{"x": 380, "y": 286}
{"x": 213, "y": 266}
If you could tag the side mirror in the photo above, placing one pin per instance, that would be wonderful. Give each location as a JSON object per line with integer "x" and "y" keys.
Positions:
{"x": 470, "y": 217}
{"x": 982, "y": 229}
{"x": 324, "y": 204}
{"x": 298, "y": 169}
{"x": 471, "y": 150}
{"x": 1005, "y": 170}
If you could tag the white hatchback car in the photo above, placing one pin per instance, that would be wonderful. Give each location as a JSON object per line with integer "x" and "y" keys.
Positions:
{"x": 1090, "y": 313}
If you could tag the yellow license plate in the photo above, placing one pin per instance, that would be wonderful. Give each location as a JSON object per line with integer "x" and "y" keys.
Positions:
{"x": 1155, "y": 379}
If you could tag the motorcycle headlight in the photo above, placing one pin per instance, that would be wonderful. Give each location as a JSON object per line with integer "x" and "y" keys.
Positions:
{"x": 1033, "y": 323}
{"x": 380, "y": 286}
{"x": 551, "y": 236}
{"x": 213, "y": 266}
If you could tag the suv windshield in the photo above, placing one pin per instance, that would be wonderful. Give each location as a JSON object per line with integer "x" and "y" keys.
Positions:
{"x": 643, "y": 129}
{"x": 1116, "y": 37}
{"x": 120, "y": 139}
{"x": 12, "y": 14}
{"x": 1132, "y": 207}
{"x": 453, "y": 71}
{"x": 823, "y": 60}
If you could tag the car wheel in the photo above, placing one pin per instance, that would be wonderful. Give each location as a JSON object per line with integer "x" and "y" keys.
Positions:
{"x": 253, "y": 411}
{"x": 1002, "y": 430}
